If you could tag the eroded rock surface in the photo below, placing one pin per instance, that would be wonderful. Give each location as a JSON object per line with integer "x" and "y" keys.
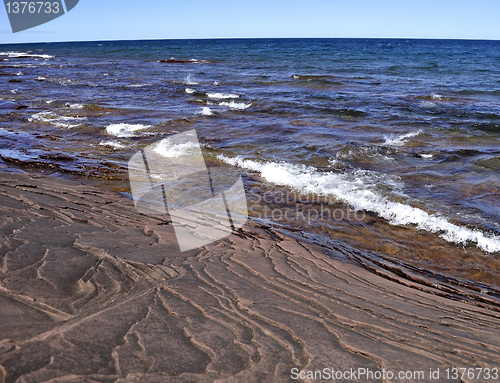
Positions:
{"x": 93, "y": 291}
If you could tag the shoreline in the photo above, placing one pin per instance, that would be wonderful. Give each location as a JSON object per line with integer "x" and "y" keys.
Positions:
{"x": 92, "y": 289}
{"x": 384, "y": 261}
{"x": 330, "y": 119}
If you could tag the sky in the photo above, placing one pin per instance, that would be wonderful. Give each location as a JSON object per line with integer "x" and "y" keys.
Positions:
{"x": 93, "y": 20}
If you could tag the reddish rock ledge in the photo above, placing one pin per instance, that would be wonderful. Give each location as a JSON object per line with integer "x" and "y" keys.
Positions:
{"x": 93, "y": 291}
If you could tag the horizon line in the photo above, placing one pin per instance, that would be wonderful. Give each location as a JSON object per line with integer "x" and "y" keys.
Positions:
{"x": 256, "y": 38}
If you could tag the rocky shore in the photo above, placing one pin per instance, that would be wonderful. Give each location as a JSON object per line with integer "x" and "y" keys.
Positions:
{"x": 93, "y": 291}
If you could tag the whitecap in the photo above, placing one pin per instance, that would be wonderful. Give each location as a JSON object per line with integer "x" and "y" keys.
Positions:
{"x": 74, "y": 106}
{"x": 222, "y": 95}
{"x": 57, "y": 120}
{"x": 165, "y": 148}
{"x": 427, "y": 104}
{"x": 351, "y": 189}
{"x": 189, "y": 90}
{"x": 235, "y": 105}
{"x": 125, "y": 130}
{"x": 64, "y": 81}
{"x": 359, "y": 152}
{"x": 24, "y": 55}
{"x": 437, "y": 97}
{"x": 400, "y": 140}
{"x": 113, "y": 144}
{"x": 190, "y": 80}
{"x": 138, "y": 85}
{"x": 206, "y": 111}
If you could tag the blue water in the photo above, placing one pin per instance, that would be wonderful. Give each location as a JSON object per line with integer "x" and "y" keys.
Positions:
{"x": 407, "y": 131}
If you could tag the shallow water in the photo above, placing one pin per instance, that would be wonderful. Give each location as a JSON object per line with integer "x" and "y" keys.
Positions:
{"x": 390, "y": 147}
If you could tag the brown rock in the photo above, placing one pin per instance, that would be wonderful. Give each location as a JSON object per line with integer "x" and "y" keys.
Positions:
{"x": 92, "y": 290}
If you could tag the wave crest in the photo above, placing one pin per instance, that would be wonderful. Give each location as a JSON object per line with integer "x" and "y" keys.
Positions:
{"x": 352, "y": 190}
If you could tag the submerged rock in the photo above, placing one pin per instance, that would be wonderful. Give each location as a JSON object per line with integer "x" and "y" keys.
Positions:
{"x": 6, "y": 104}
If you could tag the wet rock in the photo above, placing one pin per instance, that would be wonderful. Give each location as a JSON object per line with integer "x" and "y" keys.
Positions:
{"x": 6, "y": 104}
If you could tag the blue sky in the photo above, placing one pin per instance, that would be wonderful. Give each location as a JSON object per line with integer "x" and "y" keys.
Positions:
{"x": 172, "y": 19}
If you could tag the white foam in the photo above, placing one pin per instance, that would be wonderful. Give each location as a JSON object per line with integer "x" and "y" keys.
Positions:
{"x": 138, "y": 85}
{"x": 400, "y": 140}
{"x": 41, "y": 78}
{"x": 190, "y": 80}
{"x": 64, "y": 81}
{"x": 437, "y": 97}
{"x": 363, "y": 151}
{"x": 222, "y": 95}
{"x": 74, "y": 106}
{"x": 166, "y": 149}
{"x": 189, "y": 90}
{"x": 236, "y": 105}
{"x": 57, "y": 120}
{"x": 23, "y": 65}
{"x": 19, "y": 74}
{"x": 351, "y": 189}
{"x": 206, "y": 111}
{"x": 125, "y": 130}
{"x": 427, "y": 156}
{"x": 216, "y": 83}
{"x": 24, "y": 55}
{"x": 113, "y": 144}
{"x": 427, "y": 104}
